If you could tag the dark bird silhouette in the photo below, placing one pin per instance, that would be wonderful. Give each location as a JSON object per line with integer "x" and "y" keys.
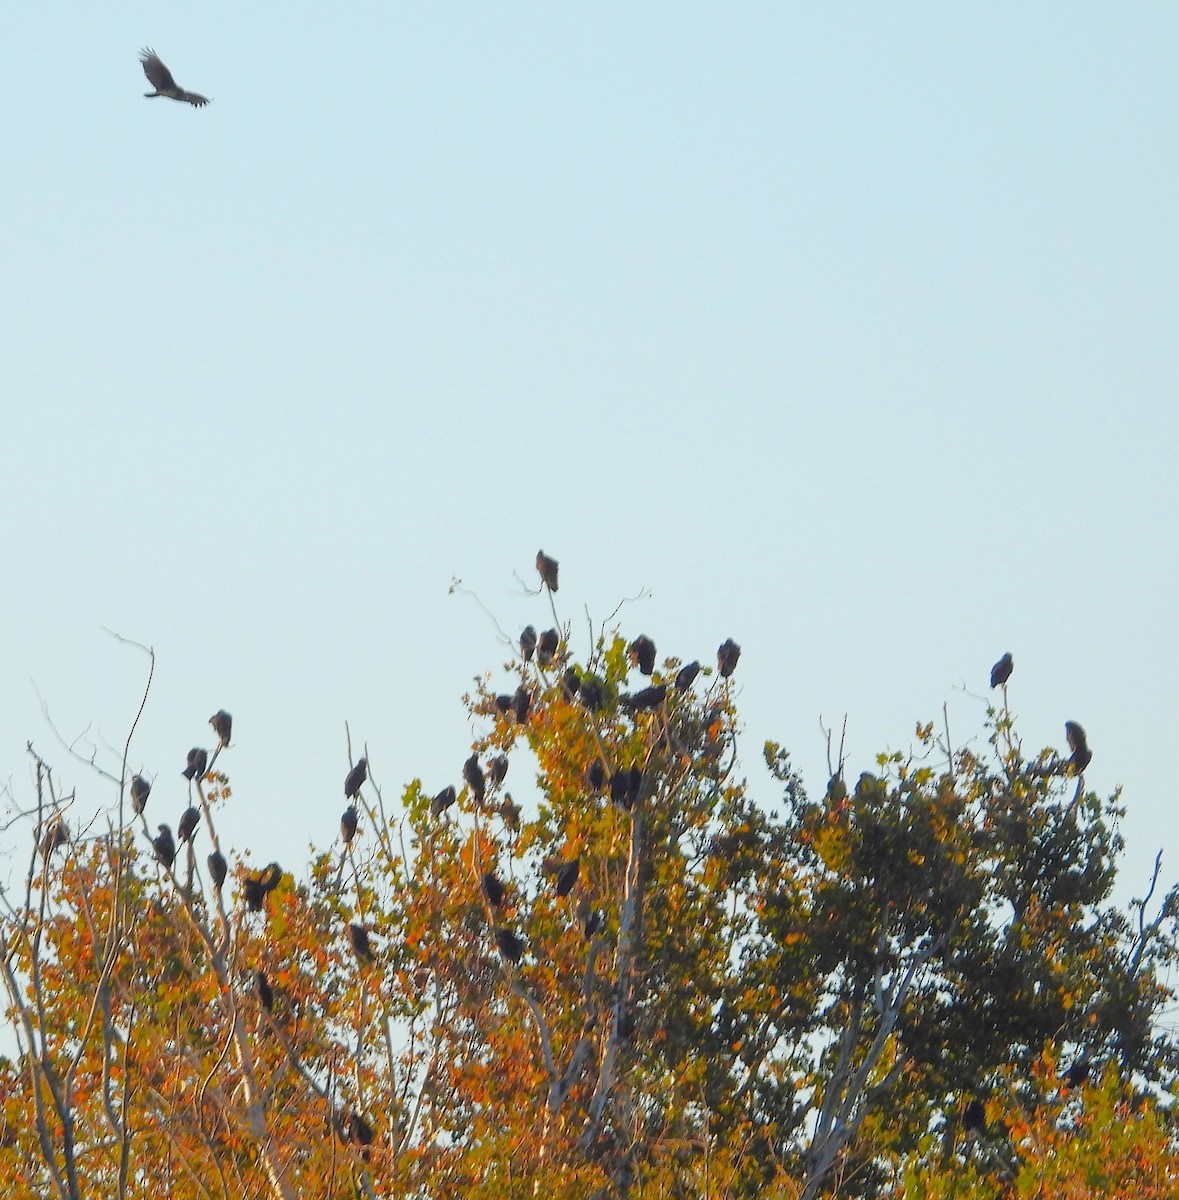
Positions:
{"x": 522, "y": 702}
{"x": 504, "y": 703}
{"x": 528, "y": 642}
{"x": 443, "y": 801}
{"x": 1077, "y": 1073}
{"x": 218, "y": 868}
{"x": 348, "y": 824}
{"x": 569, "y": 684}
{"x": 546, "y": 648}
{"x": 361, "y": 947}
{"x": 161, "y": 79}
{"x": 548, "y": 570}
{"x": 648, "y": 698}
{"x": 56, "y": 834}
{"x": 642, "y": 654}
{"x": 265, "y": 995}
{"x": 509, "y": 945}
{"x": 974, "y": 1118}
{"x": 590, "y": 918}
{"x": 1082, "y": 756}
{"x": 222, "y": 724}
{"x": 355, "y": 779}
{"x": 591, "y": 694}
{"x": 140, "y": 790}
{"x": 198, "y": 763}
{"x": 498, "y": 768}
{"x": 358, "y": 1131}
{"x": 727, "y": 654}
{"x": 567, "y": 874}
{"x": 165, "y": 847}
{"x": 1001, "y": 671}
{"x": 510, "y": 811}
{"x": 255, "y": 888}
{"x": 686, "y": 676}
{"x": 271, "y": 877}
{"x": 473, "y": 774}
{"x": 595, "y": 776}
{"x": 189, "y": 820}
{"x": 493, "y": 889}
{"x": 625, "y": 786}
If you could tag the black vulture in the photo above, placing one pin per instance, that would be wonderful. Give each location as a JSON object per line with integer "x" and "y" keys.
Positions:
{"x": 504, "y": 703}
{"x": 348, "y": 824}
{"x": 569, "y": 684}
{"x": 271, "y": 877}
{"x": 1082, "y": 756}
{"x": 974, "y": 1117}
{"x": 140, "y": 790}
{"x": 590, "y": 918}
{"x": 548, "y": 570}
{"x": 493, "y": 889}
{"x": 165, "y": 847}
{"x": 591, "y": 694}
{"x": 595, "y": 776}
{"x": 358, "y": 936}
{"x": 57, "y": 833}
{"x": 647, "y": 698}
{"x": 473, "y": 774}
{"x": 527, "y": 642}
{"x": 265, "y": 995}
{"x": 359, "y": 1132}
{"x": 189, "y": 820}
{"x": 1001, "y": 671}
{"x": 567, "y": 874}
{"x": 443, "y": 801}
{"x": 727, "y": 654}
{"x": 497, "y": 768}
{"x": 222, "y": 724}
{"x": 161, "y": 79}
{"x": 686, "y": 676}
{"x": 509, "y": 945}
{"x": 355, "y": 779}
{"x": 625, "y": 786}
{"x": 510, "y": 811}
{"x": 1076, "y": 1074}
{"x": 218, "y": 868}
{"x": 642, "y": 654}
{"x": 198, "y": 763}
{"x": 253, "y": 893}
{"x": 546, "y": 647}
{"x": 521, "y": 703}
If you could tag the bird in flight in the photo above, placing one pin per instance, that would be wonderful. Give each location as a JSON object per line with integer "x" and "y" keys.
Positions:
{"x": 161, "y": 79}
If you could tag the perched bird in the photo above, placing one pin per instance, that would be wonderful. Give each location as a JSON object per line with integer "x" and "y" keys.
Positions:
{"x": 546, "y": 648}
{"x": 355, "y": 779}
{"x": 493, "y": 889}
{"x": 642, "y": 654}
{"x": 165, "y": 847}
{"x": 1082, "y": 756}
{"x": 1076, "y": 1074}
{"x": 569, "y": 684}
{"x": 265, "y": 995}
{"x": 498, "y": 768}
{"x": 198, "y": 763}
{"x": 567, "y": 874}
{"x": 727, "y": 654}
{"x": 527, "y": 642}
{"x": 361, "y": 947}
{"x": 686, "y": 676}
{"x": 590, "y": 918}
{"x": 595, "y": 776}
{"x": 974, "y": 1117}
{"x": 189, "y": 820}
{"x": 510, "y": 811}
{"x": 140, "y": 790}
{"x": 271, "y": 877}
{"x": 521, "y": 703}
{"x": 57, "y": 833}
{"x": 625, "y": 786}
{"x": 222, "y": 724}
{"x": 443, "y": 801}
{"x": 590, "y": 694}
{"x": 348, "y": 824}
{"x": 509, "y": 945}
{"x": 359, "y": 1132}
{"x": 161, "y": 79}
{"x": 647, "y": 698}
{"x": 548, "y": 570}
{"x": 1001, "y": 671}
{"x": 473, "y": 774}
{"x": 256, "y": 887}
{"x": 218, "y": 868}
{"x": 504, "y": 703}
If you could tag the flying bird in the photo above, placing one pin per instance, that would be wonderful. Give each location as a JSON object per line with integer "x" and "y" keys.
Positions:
{"x": 140, "y": 790}
{"x": 222, "y": 724}
{"x": 727, "y": 654}
{"x": 548, "y": 570}
{"x": 189, "y": 820}
{"x": 361, "y": 947}
{"x": 164, "y": 846}
{"x": 348, "y": 824}
{"x": 356, "y": 777}
{"x": 642, "y": 654}
{"x": 197, "y": 765}
{"x": 1001, "y": 671}
{"x": 218, "y": 868}
{"x": 161, "y": 79}
{"x": 493, "y": 889}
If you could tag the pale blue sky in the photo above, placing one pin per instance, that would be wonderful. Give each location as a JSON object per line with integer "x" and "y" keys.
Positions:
{"x": 847, "y": 331}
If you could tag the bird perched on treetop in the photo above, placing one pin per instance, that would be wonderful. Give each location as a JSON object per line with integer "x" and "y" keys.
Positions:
{"x": 1001, "y": 671}
{"x": 546, "y": 647}
{"x": 222, "y": 724}
{"x": 1082, "y": 756}
{"x": 197, "y": 764}
{"x": 356, "y": 777}
{"x": 642, "y": 654}
{"x": 57, "y": 834}
{"x": 140, "y": 790}
{"x": 686, "y": 676}
{"x": 164, "y": 846}
{"x": 218, "y": 868}
{"x": 443, "y": 800}
{"x": 521, "y": 703}
{"x": 548, "y": 570}
{"x": 498, "y": 768}
{"x": 527, "y": 642}
{"x": 647, "y": 698}
{"x": 161, "y": 79}
{"x": 189, "y": 820}
{"x": 473, "y": 774}
{"x": 726, "y": 657}
{"x": 348, "y": 824}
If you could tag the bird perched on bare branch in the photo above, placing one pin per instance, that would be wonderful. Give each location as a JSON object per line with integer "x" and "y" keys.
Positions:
{"x": 57, "y": 833}
{"x": 348, "y": 824}
{"x": 509, "y": 810}
{"x": 546, "y": 647}
{"x": 197, "y": 764}
{"x": 1001, "y": 671}
{"x": 164, "y": 846}
{"x": 222, "y": 724}
{"x": 527, "y": 642}
{"x": 189, "y": 820}
{"x": 443, "y": 801}
{"x": 356, "y": 777}
{"x": 1082, "y": 756}
{"x": 140, "y": 790}
{"x": 218, "y": 868}
{"x": 361, "y": 946}
{"x": 727, "y": 654}
{"x": 642, "y": 654}
{"x": 548, "y": 570}
{"x": 161, "y": 79}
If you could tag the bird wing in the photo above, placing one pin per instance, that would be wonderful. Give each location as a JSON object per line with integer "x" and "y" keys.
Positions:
{"x": 157, "y": 74}
{"x": 192, "y": 98}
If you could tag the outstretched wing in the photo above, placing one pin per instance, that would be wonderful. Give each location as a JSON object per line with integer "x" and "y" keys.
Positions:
{"x": 192, "y": 98}
{"x": 157, "y": 74}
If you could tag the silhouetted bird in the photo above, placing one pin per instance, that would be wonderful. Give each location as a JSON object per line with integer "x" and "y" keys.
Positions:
{"x": 528, "y": 642}
{"x": 625, "y": 786}
{"x": 567, "y": 874}
{"x": 265, "y": 995}
{"x": 493, "y": 889}
{"x": 642, "y": 654}
{"x": 686, "y": 676}
{"x": 497, "y": 768}
{"x": 590, "y": 694}
{"x": 140, "y": 790}
{"x": 727, "y": 654}
{"x": 648, "y": 698}
{"x": 348, "y": 824}
{"x": 1001, "y": 671}
{"x": 56, "y": 834}
{"x": 161, "y": 79}
{"x": 358, "y": 936}
{"x": 590, "y": 918}
{"x": 509, "y": 945}
{"x": 504, "y": 703}
{"x": 510, "y": 811}
{"x": 217, "y": 868}
{"x": 355, "y": 779}
{"x": 359, "y": 1132}
{"x": 522, "y": 702}
{"x": 1082, "y": 756}
{"x": 974, "y": 1117}
{"x": 271, "y": 877}
{"x": 198, "y": 763}
{"x": 189, "y": 820}
{"x": 473, "y": 774}
{"x": 1076, "y": 1074}
{"x": 569, "y": 684}
{"x": 253, "y": 893}
{"x": 222, "y": 724}
{"x": 443, "y": 801}
{"x": 548, "y": 570}
{"x": 165, "y": 847}
{"x": 595, "y": 776}
{"x": 546, "y": 648}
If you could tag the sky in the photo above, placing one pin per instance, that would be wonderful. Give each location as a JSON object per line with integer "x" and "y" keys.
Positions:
{"x": 846, "y": 331}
